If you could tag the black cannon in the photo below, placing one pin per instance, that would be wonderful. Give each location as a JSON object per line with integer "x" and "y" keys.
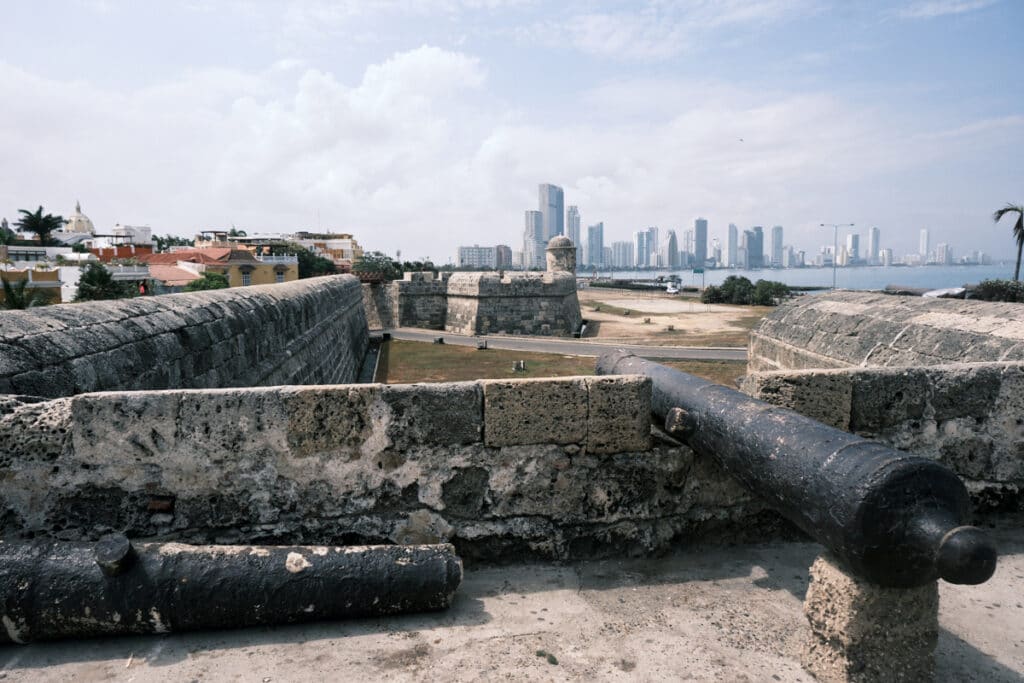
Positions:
{"x": 52, "y": 589}
{"x": 894, "y": 519}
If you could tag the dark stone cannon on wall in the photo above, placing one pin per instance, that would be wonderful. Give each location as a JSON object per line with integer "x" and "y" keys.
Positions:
{"x": 894, "y": 519}
{"x": 51, "y": 590}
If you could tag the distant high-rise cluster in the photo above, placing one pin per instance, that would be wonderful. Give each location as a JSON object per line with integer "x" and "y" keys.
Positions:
{"x": 672, "y": 248}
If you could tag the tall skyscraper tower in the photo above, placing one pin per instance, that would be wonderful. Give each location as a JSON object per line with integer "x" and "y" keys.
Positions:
{"x": 872, "y": 255}
{"x": 641, "y": 249}
{"x": 777, "y": 246}
{"x": 595, "y": 244}
{"x": 700, "y": 242}
{"x": 533, "y": 241}
{"x": 572, "y": 229}
{"x": 732, "y": 244}
{"x": 755, "y": 247}
{"x": 671, "y": 250}
{"x": 552, "y": 206}
{"x": 924, "y": 245}
{"x": 653, "y": 243}
{"x": 853, "y": 247}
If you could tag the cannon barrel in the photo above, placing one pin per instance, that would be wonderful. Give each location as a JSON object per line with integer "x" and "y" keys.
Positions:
{"x": 894, "y": 519}
{"x": 51, "y": 590}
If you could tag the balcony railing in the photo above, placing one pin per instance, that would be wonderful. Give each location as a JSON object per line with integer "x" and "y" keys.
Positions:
{"x": 278, "y": 258}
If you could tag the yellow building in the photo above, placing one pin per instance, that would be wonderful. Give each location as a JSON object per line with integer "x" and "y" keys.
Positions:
{"x": 45, "y": 282}
{"x": 241, "y": 267}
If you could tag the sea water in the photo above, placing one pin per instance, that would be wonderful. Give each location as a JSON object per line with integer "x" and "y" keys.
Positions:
{"x": 860, "y": 277}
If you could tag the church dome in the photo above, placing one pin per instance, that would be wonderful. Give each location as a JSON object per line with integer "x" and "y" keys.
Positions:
{"x": 78, "y": 221}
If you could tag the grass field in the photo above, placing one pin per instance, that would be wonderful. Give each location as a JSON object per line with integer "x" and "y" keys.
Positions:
{"x": 404, "y": 362}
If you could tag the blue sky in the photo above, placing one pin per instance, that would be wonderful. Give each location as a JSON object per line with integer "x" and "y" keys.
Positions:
{"x": 421, "y": 125}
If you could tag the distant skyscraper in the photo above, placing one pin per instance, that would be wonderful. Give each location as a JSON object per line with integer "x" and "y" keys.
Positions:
{"x": 552, "y": 206}
{"x": 671, "y": 249}
{"x": 622, "y": 254}
{"x": 776, "y": 247}
{"x": 641, "y": 249}
{"x": 502, "y": 256}
{"x": 700, "y": 242}
{"x": 731, "y": 245}
{"x": 653, "y": 244}
{"x": 924, "y": 245}
{"x": 533, "y": 241}
{"x": 595, "y": 245}
{"x": 872, "y": 255}
{"x": 853, "y": 247}
{"x": 716, "y": 252}
{"x": 755, "y": 247}
{"x": 572, "y": 229}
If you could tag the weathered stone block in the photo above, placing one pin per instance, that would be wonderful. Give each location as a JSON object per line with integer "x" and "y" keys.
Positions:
{"x": 619, "y": 417}
{"x": 826, "y": 396}
{"x": 863, "y": 632}
{"x": 343, "y": 421}
{"x": 531, "y": 411}
{"x": 444, "y": 414}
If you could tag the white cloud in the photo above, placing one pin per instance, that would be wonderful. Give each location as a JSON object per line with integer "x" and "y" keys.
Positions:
{"x": 659, "y": 30}
{"x": 928, "y": 9}
{"x": 414, "y": 154}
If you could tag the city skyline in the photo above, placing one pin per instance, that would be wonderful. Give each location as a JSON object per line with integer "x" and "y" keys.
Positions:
{"x": 419, "y": 125}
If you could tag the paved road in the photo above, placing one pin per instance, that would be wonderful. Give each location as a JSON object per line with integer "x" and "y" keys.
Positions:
{"x": 571, "y": 347}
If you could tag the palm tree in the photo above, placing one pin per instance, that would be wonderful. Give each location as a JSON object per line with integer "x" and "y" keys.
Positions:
{"x": 41, "y": 225}
{"x": 1018, "y": 230}
{"x": 18, "y": 296}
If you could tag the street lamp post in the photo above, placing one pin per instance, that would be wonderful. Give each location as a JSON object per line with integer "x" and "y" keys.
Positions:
{"x": 835, "y": 246}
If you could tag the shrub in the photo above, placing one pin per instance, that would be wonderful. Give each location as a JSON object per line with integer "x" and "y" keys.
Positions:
{"x": 999, "y": 290}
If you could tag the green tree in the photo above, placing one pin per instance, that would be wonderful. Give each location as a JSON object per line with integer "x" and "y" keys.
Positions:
{"x": 41, "y": 225}
{"x": 769, "y": 293}
{"x": 7, "y": 235}
{"x": 737, "y": 290}
{"x": 209, "y": 280}
{"x": 376, "y": 263}
{"x": 18, "y": 296}
{"x": 165, "y": 242}
{"x": 1018, "y": 230}
{"x": 97, "y": 284}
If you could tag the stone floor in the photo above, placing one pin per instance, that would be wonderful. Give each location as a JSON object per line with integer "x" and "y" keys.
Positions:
{"x": 704, "y": 614}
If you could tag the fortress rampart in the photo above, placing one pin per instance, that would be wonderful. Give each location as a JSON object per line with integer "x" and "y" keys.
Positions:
{"x": 475, "y": 463}
{"x": 864, "y": 329}
{"x": 306, "y": 332}
{"x": 477, "y": 303}
{"x": 942, "y": 378}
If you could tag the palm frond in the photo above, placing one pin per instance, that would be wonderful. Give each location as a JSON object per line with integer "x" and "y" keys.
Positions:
{"x": 1009, "y": 208}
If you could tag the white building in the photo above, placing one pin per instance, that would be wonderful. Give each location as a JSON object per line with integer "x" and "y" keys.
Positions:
{"x": 475, "y": 257}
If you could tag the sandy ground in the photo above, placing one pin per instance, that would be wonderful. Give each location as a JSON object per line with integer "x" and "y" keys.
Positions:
{"x": 694, "y": 323}
{"x": 703, "y": 614}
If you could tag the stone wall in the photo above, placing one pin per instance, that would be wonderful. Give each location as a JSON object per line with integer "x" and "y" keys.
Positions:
{"x": 558, "y": 468}
{"x": 379, "y": 306}
{"x": 516, "y": 303}
{"x": 419, "y": 300}
{"x": 477, "y": 303}
{"x": 849, "y": 329}
{"x": 968, "y": 416}
{"x": 307, "y": 332}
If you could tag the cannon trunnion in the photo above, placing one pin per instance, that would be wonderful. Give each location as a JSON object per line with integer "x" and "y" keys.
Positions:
{"x": 894, "y": 519}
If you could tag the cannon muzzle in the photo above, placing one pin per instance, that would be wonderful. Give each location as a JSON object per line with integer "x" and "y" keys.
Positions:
{"x": 894, "y": 519}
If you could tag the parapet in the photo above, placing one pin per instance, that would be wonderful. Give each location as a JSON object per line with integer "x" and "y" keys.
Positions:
{"x": 553, "y": 468}
{"x": 304, "y": 332}
{"x": 862, "y": 329}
